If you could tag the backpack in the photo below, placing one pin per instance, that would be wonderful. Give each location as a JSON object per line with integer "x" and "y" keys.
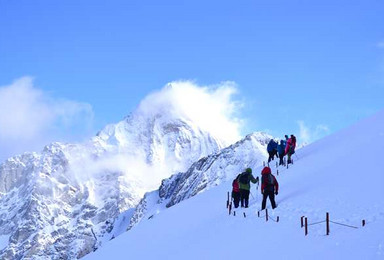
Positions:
{"x": 244, "y": 178}
{"x": 235, "y": 186}
{"x": 269, "y": 180}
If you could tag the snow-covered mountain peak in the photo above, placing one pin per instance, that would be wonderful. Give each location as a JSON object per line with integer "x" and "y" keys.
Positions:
{"x": 211, "y": 109}
{"x": 61, "y": 201}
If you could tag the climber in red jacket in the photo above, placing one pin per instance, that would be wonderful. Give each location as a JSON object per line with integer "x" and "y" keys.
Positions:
{"x": 269, "y": 187}
{"x": 290, "y": 148}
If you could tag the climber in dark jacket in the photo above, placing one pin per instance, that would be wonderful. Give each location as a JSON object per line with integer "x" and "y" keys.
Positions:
{"x": 244, "y": 180}
{"x": 272, "y": 149}
{"x": 269, "y": 187}
{"x": 281, "y": 151}
{"x": 236, "y": 191}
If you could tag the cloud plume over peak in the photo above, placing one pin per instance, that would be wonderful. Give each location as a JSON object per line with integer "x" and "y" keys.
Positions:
{"x": 212, "y": 108}
{"x": 30, "y": 118}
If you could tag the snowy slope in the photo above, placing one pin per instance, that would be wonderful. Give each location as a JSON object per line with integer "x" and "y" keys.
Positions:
{"x": 341, "y": 174}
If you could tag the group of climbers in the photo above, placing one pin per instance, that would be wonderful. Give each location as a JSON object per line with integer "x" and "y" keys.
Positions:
{"x": 241, "y": 187}
{"x": 269, "y": 186}
{"x": 286, "y": 147}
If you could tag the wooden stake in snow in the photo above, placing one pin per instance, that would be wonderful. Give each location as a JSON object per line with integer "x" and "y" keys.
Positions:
{"x": 228, "y": 199}
{"x": 244, "y": 215}
{"x": 266, "y": 214}
{"x": 306, "y": 225}
{"x": 302, "y": 221}
{"x": 363, "y": 223}
{"x": 327, "y": 221}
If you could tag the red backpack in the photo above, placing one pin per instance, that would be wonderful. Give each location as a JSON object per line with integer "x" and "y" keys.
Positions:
{"x": 235, "y": 186}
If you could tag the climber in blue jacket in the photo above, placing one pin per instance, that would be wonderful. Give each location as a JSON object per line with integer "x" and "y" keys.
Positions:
{"x": 272, "y": 149}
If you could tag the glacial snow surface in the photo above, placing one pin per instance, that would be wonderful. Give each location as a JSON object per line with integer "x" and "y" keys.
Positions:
{"x": 342, "y": 174}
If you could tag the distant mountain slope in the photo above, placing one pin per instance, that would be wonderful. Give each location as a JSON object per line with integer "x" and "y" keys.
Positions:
{"x": 206, "y": 173}
{"x": 341, "y": 174}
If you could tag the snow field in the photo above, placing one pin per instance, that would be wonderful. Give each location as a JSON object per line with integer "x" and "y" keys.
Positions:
{"x": 340, "y": 174}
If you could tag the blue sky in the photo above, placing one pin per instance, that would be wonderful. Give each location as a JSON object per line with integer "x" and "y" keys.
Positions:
{"x": 314, "y": 64}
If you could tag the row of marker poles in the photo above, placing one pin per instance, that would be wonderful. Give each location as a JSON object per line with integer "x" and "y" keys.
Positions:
{"x": 234, "y": 212}
{"x": 266, "y": 215}
{"x": 277, "y": 164}
{"x": 304, "y": 223}
{"x": 229, "y": 207}
{"x": 284, "y": 163}
{"x": 258, "y": 213}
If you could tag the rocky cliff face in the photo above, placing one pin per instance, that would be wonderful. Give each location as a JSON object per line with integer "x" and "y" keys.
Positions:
{"x": 58, "y": 204}
{"x": 204, "y": 174}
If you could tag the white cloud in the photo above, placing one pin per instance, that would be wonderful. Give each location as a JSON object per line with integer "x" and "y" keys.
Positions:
{"x": 212, "y": 108}
{"x": 309, "y": 134}
{"x": 134, "y": 169}
{"x": 29, "y": 118}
